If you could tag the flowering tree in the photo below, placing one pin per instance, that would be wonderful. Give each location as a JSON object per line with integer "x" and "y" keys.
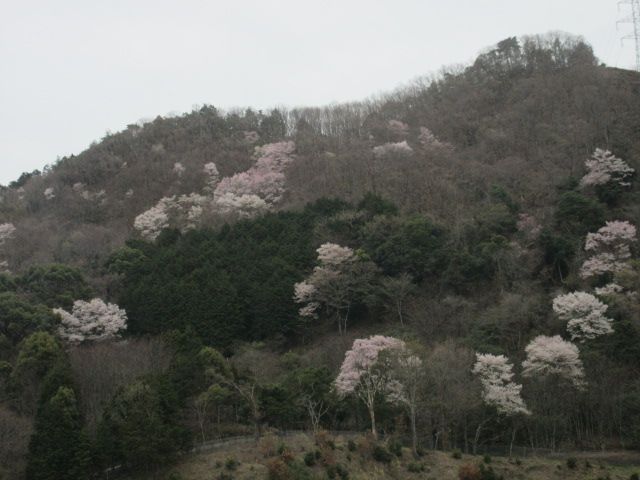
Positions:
{"x": 338, "y": 281}
{"x": 151, "y": 222}
{"x": 178, "y": 169}
{"x": 49, "y": 193}
{"x": 428, "y": 140}
{"x": 585, "y": 315}
{"x": 609, "y": 289}
{"x": 93, "y": 320}
{"x": 265, "y": 179}
{"x": 603, "y": 168}
{"x": 609, "y": 247}
{"x": 363, "y": 375}
{"x": 498, "y": 388}
{"x": 386, "y": 150}
{"x": 548, "y": 356}
{"x": 398, "y": 128}
{"x": 7, "y": 230}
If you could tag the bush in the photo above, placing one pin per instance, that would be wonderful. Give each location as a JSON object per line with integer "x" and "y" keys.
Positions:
{"x": 351, "y": 446}
{"x": 310, "y": 459}
{"x": 224, "y": 476}
{"x": 457, "y": 454}
{"x": 469, "y": 472}
{"x": 381, "y": 454}
{"x": 572, "y": 463}
{"x": 487, "y": 473}
{"x": 395, "y": 447}
{"x": 231, "y": 463}
{"x": 634, "y": 476}
{"x": 337, "y": 471}
{"x": 415, "y": 467}
{"x": 277, "y": 470}
{"x": 486, "y": 459}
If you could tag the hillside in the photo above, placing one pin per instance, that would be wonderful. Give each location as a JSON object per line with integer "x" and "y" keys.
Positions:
{"x": 453, "y": 265}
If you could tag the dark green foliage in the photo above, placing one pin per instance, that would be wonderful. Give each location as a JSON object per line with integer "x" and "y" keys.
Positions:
{"x": 457, "y": 454}
{"x": 55, "y": 285}
{"x": 58, "y": 449}
{"x": 634, "y": 476}
{"x": 19, "y": 317}
{"x": 487, "y": 473}
{"x": 572, "y": 463}
{"x": 578, "y": 214}
{"x": 413, "y": 245}
{"x": 376, "y": 205}
{"x": 310, "y": 459}
{"x": 38, "y": 354}
{"x": 558, "y": 253}
{"x": 140, "y": 427}
{"x": 237, "y": 283}
{"x": 395, "y": 447}
{"x": 351, "y": 446}
{"x": 381, "y": 454}
{"x": 337, "y": 471}
{"x": 415, "y": 467}
{"x": 486, "y": 459}
{"x": 231, "y": 463}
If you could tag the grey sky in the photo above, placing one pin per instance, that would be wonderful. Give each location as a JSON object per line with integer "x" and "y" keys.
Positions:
{"x": 71, "y": 70}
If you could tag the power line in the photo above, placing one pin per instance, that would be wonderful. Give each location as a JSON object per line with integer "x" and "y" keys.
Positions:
{"x": 633, "y": 19}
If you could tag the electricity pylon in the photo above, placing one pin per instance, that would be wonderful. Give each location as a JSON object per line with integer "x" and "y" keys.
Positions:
{"x": 634, "y": 19}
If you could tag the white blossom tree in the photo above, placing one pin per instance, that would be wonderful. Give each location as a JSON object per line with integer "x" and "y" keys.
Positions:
{"x": 363, "y": 375}
{"x": 547, "y": 356}
{"x": 151, "y": 222}
{"x": 386, "y": 150}
{"x": 603, "y": 167}
{"x": 609, "y": 248}
{"x": 7, "y": 231}
{"x": 584, "y": 314}
{"x": 91, "y": 321}
{"x": 498, "y": 388}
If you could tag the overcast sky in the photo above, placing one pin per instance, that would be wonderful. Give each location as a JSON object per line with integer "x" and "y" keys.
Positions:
{"x": 71, "y": 70}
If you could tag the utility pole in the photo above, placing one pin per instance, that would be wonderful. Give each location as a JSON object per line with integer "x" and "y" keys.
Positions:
{"x": 633, "y": 19}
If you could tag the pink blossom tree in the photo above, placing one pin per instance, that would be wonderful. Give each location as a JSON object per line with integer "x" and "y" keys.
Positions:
{"x": 390, "y": 150}
{"x": 398, "y": 128}
{"x": 603, "y": 167}
{"x": 339, "y": 280}
{"x": 365, "y": 374}
{"x": 91, "y": 321}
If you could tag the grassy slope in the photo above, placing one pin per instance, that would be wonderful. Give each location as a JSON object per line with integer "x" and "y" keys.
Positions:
{"x": 437, "y": 465}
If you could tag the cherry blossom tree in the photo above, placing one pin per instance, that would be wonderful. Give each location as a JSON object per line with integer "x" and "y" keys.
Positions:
{"x": 398, "y": 128}
{"x": 428, "y": 140}
{"x": 265, "y": 179}
{"x": 363, "y": 375}
{"x": 548, "y": 356}
{"x": 498, "y": 389}
{"x": 609, "y": 247}
{"x": 584, "y": 314}
{"x": 387, "y": 150}
{"x": 603, "y": 167}
{"x": 609, "y": 289}
{"x": 213, "y": 176}
{"x": 94, "y": 320}
{"x": 7, "y": 231}
{"x": 179, "y": 169}
{"x": 49, "y": 193}
{"x": 244, "y": 206}
{"x": 339, "y": 280}
{"x": 151, "y": 222}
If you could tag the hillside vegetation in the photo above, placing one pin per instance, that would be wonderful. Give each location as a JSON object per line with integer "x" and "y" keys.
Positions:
{"x": 451, "y": 266}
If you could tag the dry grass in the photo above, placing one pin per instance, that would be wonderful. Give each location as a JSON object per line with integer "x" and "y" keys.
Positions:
{"x": 252, "y": 461}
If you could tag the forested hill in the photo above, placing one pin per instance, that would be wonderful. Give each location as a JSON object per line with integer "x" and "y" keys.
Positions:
{"x": 522, "y": 117}
{"x": 454, "y": 264}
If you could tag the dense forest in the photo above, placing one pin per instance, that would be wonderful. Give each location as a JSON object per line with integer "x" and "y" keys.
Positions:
{"x": 453, "y": 265}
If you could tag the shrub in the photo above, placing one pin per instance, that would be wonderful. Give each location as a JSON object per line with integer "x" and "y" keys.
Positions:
{"x": 415, "y": 467}
{"x": 457, "y": 454}
{"x": 337, "y": 471}
{"x": 421, "y": 452}
{"x": 231, "y": 463}
{"x": 278, "y": 470}
{"x": 310, "y": 459}
{"x": 487, "y": 473}
{"x": 572, "y": 463}
{"x": 486, "y": 459}
{"x": 395, "y": 447}
{"x": 224, "y": 476}
{"x": 634, "y": 476}
{"x": 381, "y": 454}
{"x": 351, "y": 446}
{"x": 469, "y": 471}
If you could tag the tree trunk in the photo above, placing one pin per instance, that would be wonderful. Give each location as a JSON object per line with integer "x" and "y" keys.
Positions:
{"x": 372, "y": 414}
{"x": 414, "y": 433}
